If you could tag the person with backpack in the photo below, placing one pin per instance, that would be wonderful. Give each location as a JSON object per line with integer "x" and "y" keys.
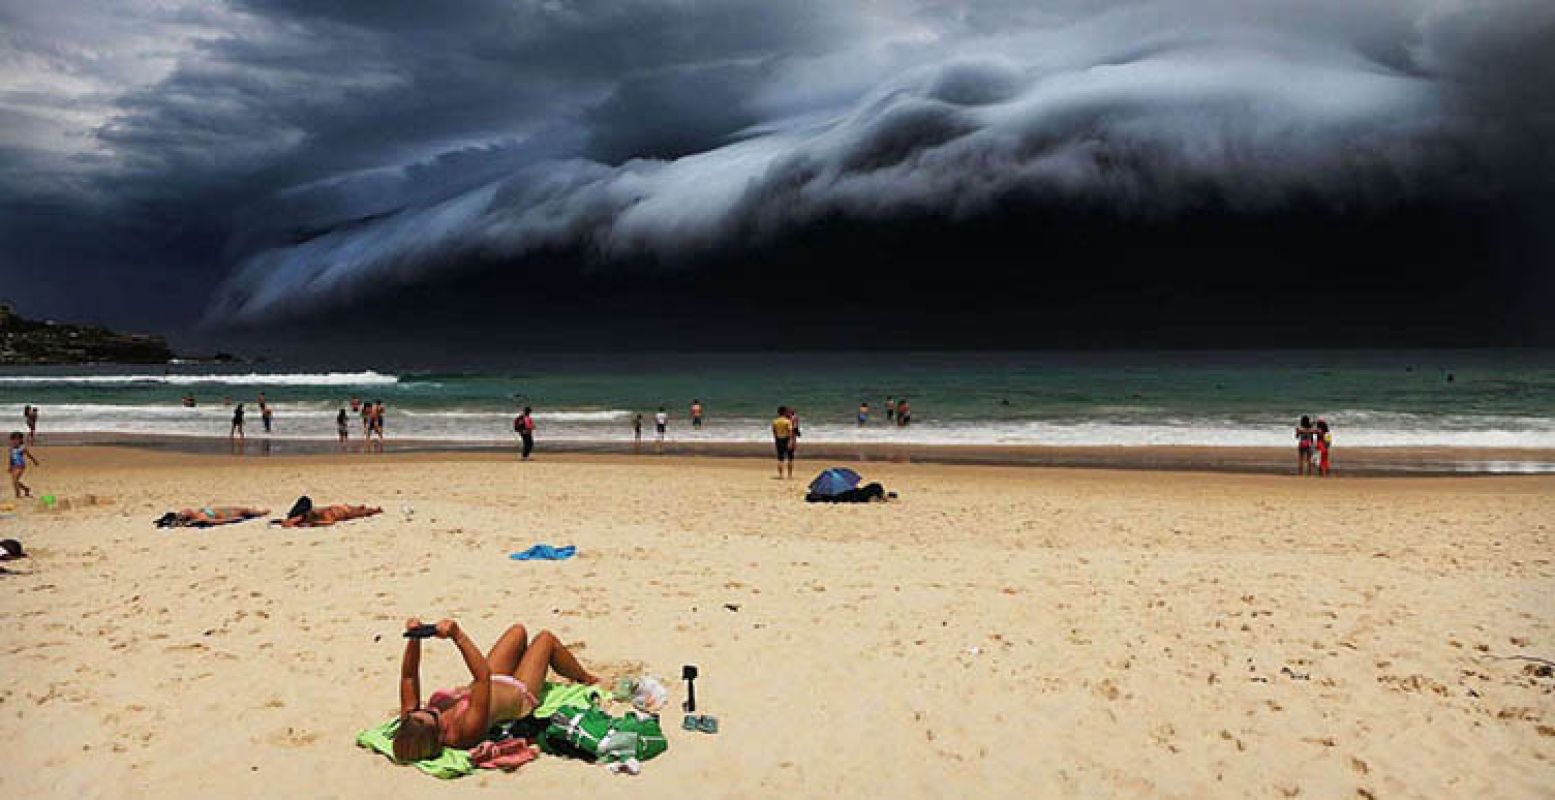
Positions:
{"x": 524, "y": 426}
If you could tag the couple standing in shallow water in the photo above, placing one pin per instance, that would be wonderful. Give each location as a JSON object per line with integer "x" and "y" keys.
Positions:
{"x": 1314, "y": 443}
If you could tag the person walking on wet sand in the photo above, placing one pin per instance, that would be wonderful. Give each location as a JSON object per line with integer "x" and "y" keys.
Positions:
{"x": 524, "y": 426}
{"x": 367, "y": 422}
{"x": 342, "y": 426}
{"x": 783, "y": 440}
{"x": 696, "y": 415}
{"x": 237, "y": 423}
{"x": 661, "y": 424}
{"x": 863, "y": 414}
{"x": 637, "y": 433}
{"x": 890, "y": 410}
{"x": 265, "y": 414}
{"x": 378, "y": 420}
{"x": 17, "y": 464}
{"x": 30, "y": 416}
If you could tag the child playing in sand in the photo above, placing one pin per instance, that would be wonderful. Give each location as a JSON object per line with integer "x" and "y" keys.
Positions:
{"x": 500, "y": 688}
{"x": 18, "y": 464}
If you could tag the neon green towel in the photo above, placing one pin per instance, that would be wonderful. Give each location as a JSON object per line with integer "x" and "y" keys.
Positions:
{"x": 451, "y": 763}
{"x": 557, "y": 695}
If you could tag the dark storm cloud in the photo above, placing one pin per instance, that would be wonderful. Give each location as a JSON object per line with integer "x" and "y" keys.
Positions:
{"x": 339, "y": 151}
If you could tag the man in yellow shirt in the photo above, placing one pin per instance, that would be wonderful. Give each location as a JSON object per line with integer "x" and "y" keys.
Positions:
{"x": 783, "y": 440}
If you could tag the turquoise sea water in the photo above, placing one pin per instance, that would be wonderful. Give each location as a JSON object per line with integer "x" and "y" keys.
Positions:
{"x": 1409, "y": 398}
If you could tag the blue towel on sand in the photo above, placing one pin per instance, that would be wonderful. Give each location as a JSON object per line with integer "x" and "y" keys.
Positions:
{"x": 545, "y": 552}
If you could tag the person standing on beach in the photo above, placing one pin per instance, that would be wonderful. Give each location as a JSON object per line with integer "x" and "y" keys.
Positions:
{"x": 661, "y": 422}
{"x": 1324, "y": 442}
{"x": 1305, "y": 435}
{"x": 30, "y": 416}
{"x": 903, "y": 413}
{"x": 265, "y": 414}
{"x": 637, "y": 433}
{"x": 367, "y": 422}
{"x": 783, "y": 440}
{"x": 890, "y": 410}
{"x": 863, "y": 414}
{"x": 524, "y": 426}
{"x": 17, "y": 465}
{"x": 237, "y": 423}
{"x": 696, "y": 415}
{"x": 378, "y": 412}
{"x": 342, "y": 427}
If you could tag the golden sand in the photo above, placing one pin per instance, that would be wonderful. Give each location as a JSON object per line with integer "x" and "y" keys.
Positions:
{"x": 998, "y": 631}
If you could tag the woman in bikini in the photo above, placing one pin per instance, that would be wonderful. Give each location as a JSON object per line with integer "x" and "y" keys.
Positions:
{"x": 207, "y": 516}
{"x": 328, "y": 515}
{"x": 499, "y": 690}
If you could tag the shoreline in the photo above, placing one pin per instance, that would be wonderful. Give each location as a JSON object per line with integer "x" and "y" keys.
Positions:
{"x": 1349, "y": 462}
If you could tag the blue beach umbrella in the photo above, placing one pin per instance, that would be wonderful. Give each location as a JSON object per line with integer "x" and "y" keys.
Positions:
{"x": 834, "y": 481}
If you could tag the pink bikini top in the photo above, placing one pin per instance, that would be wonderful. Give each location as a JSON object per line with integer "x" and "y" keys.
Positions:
{"x": 452, "y": 702}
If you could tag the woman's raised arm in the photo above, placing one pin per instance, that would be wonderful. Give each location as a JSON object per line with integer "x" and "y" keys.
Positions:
{"x": 410, "y": 672}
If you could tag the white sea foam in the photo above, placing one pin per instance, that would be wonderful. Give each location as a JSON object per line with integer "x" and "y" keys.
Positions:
{"x": 366, "y": 378}
{"x": 316, "y": 420}
{"x": 610, "y": 415}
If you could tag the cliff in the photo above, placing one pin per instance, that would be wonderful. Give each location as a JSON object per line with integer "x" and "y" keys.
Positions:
{"x": 26, "y": 341}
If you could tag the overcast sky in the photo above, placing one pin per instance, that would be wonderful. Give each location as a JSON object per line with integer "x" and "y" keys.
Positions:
{"x": 257, "y": 166}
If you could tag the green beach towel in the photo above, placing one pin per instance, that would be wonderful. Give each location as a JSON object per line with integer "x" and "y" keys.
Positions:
{"x": 451, "y": 763}
{"x": 557, "y": 695}
{"x": 454, "y": 763}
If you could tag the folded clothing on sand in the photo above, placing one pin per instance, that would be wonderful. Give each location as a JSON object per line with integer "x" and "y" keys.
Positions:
{"x": 545, "y": 552}
{"x": 508, "y": 754}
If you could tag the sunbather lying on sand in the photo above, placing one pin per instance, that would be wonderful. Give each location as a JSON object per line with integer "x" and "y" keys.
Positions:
{"x": 209, "y": 515}
{"x": 502, "y": 688}
{"x": 328, "y": 515}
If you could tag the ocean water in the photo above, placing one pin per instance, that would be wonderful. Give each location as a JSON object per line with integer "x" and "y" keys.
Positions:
{"x": 1234, "y": 399}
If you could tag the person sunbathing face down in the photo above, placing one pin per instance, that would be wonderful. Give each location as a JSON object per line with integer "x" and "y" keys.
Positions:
{"x": 328, "y": 515}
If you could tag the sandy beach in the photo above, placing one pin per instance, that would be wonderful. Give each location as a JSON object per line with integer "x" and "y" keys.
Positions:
{"x": 998, "y": 631}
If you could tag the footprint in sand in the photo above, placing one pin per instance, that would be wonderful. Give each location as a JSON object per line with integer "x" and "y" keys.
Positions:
{"x": 292, "y": 737}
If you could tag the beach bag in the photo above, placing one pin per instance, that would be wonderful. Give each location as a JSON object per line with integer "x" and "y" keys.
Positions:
{"x": 594, "y": 735}
{"x": 644, "y": 734}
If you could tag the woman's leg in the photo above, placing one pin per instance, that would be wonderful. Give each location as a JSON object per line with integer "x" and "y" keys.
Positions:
{"x": 505, "y": 654}
{"x": 547, "y": 652}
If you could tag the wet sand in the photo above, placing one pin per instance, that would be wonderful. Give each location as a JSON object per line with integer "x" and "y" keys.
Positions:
{"x": 999, "y": 630}
{"x": 1349, "y": 462}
